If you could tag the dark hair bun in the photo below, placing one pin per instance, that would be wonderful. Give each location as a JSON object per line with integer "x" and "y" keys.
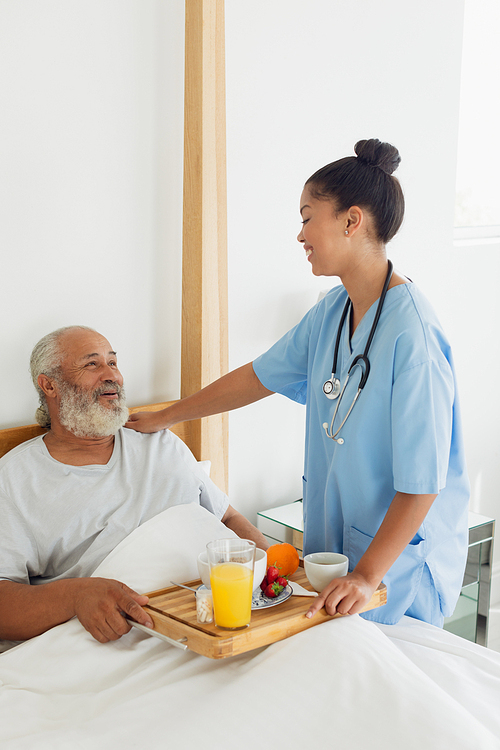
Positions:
{"x": 378, "y": 154}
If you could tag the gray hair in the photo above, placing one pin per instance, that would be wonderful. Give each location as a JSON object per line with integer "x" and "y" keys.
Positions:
{"x": 46, "y": 359}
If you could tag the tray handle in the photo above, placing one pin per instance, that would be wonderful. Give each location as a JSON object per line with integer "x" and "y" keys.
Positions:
{"x": 181, "y": 643}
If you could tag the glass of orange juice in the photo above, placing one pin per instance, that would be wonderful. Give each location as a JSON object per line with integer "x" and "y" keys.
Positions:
{"x": 231, "y": 564}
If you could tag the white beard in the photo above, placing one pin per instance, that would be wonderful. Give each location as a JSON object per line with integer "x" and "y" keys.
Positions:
{"x": 81, "y": 413}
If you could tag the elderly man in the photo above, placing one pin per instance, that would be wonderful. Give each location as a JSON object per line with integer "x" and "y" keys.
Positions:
{"x": 69, "y": 497}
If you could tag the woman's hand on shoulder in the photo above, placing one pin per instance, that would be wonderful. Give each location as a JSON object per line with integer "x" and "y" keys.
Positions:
{"x": 346, "y": 596}
{"x": 148, "y": 421}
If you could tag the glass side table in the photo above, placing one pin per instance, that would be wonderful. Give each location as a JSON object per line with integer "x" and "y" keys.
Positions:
{"x": 470, "y": 619}
{"x": 283, "y": 524}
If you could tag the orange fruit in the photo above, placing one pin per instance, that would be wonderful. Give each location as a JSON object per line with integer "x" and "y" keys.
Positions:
{"x": 284, "y": 556}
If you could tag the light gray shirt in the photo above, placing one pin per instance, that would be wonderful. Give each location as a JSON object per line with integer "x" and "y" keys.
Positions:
{"x": 60, "y": 521}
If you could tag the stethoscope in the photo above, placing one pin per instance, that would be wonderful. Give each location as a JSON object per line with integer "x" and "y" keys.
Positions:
{"x": 331, "y": 388}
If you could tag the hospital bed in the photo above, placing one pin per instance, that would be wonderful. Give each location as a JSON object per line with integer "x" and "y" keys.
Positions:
{"x": 344, "y": 683}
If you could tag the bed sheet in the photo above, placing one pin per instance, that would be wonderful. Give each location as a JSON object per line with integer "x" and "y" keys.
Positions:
{"x": 347, "y": 682}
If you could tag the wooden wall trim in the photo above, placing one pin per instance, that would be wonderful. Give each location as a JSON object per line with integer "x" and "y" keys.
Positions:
{"x": 204, "y": 350}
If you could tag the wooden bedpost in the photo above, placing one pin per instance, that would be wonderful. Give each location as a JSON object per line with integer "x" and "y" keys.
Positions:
{"x": 204, "y": 351}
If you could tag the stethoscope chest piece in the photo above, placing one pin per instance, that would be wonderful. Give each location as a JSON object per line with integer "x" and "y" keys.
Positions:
{"x": 331, "y": 387}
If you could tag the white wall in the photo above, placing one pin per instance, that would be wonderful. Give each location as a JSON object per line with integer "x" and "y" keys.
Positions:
{"x": 91, "y": 185}
{"x": 91, "y": 190}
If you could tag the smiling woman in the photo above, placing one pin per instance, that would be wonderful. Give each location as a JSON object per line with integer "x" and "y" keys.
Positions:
{"x": 380, "y": 482}
{"x": 323, "y": 234}
{"x": 348, "y": 183}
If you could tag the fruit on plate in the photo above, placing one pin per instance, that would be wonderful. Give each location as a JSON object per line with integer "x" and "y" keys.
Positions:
{"x": 272, "y": 574}
{"x": 273, "y": 583}
{"x": 272, "y": 590}
{"x": 282, "y": 561}
{"x": 284, "y": 557}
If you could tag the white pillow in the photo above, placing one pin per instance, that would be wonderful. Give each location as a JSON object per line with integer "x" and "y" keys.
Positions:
{"x": 164, "y": 549}
{"x": 206, "y": 466}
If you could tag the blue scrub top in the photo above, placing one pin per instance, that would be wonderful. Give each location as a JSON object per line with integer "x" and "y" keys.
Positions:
{"x": 403, "y": 434}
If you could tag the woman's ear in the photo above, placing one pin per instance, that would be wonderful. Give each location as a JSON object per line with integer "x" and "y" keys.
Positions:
{"x": 354, "y": 219}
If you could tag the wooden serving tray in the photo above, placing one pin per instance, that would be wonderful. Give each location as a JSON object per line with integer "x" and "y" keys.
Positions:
{"x": 173, "y": 611}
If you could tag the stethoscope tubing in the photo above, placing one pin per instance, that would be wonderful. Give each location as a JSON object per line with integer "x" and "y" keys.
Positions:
{"x": 331, "y": 387}
{"x": 340, "y": 441}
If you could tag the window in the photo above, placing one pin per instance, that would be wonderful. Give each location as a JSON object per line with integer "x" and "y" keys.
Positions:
{"x": 477, "y": 207}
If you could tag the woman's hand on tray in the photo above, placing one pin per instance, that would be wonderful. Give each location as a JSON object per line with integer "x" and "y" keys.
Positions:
{"x": 347, "y": 595}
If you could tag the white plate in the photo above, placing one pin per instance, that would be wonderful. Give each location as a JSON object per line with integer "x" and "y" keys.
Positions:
{"x": 260, "y": 601}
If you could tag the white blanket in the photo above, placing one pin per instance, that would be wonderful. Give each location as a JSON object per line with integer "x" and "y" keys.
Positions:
{"x": 346, "y": 683}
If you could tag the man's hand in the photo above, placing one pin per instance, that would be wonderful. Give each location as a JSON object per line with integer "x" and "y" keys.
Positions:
{"x": 345, "y": 595}
{"x": 101, "y": 603}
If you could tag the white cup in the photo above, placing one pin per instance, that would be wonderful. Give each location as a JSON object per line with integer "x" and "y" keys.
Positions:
{"x": 323, "y": 567}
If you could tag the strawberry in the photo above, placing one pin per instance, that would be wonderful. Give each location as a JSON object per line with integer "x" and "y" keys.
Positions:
{"x": 264, "y": 583}
{"x": 272, "y": 574}
{"x": 269, "y": 591}
{"x": 282, "y": 582}
{"x": 272, "y": 590}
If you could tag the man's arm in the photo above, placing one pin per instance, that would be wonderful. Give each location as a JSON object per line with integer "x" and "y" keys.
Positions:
{"x": 26, "y": 611}
{"x": 243, "y": 528}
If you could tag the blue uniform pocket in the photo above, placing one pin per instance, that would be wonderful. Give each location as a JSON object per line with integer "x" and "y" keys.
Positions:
{"x": 402, "y": 579}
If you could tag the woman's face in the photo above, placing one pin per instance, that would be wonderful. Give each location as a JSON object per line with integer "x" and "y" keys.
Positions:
{"x": 323, "y": 235}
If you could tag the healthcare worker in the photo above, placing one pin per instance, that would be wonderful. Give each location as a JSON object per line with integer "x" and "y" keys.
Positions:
{"x": 384, "y": 473}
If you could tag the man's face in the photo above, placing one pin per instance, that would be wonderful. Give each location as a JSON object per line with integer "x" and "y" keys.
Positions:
{"x": 91, "y": 395}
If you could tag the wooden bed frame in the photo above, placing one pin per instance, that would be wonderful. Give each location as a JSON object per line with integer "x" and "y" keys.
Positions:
{"x": 13, "y": 436}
